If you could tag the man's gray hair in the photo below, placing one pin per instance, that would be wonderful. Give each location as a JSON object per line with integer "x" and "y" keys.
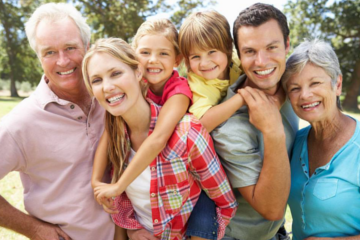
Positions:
{"x": 55, "y": 12}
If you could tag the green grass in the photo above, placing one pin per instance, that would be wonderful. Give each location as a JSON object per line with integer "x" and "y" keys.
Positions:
{"x": 11, "y": 188}
{"x": 7, "y": 103}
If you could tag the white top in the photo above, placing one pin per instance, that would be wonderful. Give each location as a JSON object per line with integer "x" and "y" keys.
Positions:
{"x": 139, "y": 194}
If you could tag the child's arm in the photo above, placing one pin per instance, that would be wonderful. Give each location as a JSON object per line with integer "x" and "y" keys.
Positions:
{"x": 221, "y": 112}
{"x": 171, "y": 113}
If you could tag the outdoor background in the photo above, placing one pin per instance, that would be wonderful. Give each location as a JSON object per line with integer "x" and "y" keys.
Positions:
{"x": 335, "y": 21}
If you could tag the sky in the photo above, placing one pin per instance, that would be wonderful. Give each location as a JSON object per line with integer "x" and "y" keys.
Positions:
{"x": 231, "y": 10}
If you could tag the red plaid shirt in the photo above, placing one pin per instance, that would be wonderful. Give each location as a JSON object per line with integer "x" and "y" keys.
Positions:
{"x": 186, "y": 165}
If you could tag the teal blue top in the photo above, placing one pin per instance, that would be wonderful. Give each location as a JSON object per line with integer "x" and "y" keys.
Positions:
{"x": 327, "y": 204}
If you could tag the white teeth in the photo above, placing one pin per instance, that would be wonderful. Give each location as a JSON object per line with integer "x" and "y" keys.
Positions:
{"x": 154, "y": 70}
{"x": 310, "y": 105}
{"x": 68, "y": 72}
{"x": 210, "y": 69}
{"x": 265, "y": 71}
{"x": 116, "y": 98}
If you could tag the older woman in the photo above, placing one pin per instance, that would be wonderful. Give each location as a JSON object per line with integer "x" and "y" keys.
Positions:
{"x": 325, "y": 164}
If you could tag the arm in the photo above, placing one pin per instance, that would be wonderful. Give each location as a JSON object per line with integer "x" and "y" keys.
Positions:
{"x": 140, "y": 234}
{"x": 221, "y": 112}
{"x": 27, "y": 225}
{"x": 269, "y": 195}
{"x": 170, "y": 114}
{"x": 120, "y": 233}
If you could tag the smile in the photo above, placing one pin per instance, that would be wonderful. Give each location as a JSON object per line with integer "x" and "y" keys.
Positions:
{"x": 154, "y": 70}
{"x": 265, "y": 72}
{"x": 310, "y": 105}
{"x": 115, "y": 98}
{"x": 68, "y": 72}
{"x": 208, "y": 70}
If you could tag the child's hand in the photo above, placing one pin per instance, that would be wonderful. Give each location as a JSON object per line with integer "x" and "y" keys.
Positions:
{"x": 104, "y": 194}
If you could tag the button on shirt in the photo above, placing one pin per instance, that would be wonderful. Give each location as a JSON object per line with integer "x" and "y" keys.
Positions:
{"x": 44, "y": 139}
{"x": 326, "y": 204}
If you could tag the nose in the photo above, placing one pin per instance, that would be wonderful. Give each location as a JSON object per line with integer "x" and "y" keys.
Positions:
{"x": 153, "y": 58}
{"x": 108, "y": 86}
{"x": 204, "y": 62}
{"x": 261, "y": 58}
{"x": 63, "y": 59}
{"x": 305, "y": 93}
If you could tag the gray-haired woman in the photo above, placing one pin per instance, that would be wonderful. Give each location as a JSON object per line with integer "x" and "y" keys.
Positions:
{"x": 325, "y": 163}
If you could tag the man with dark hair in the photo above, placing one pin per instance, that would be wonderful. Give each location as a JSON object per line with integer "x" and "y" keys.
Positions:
{"x": 254, "y": 143}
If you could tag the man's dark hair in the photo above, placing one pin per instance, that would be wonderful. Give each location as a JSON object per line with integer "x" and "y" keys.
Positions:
{"x": 257, "y": 14}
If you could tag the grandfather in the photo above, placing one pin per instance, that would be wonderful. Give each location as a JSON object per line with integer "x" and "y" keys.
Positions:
{"x": 51, "y": 137}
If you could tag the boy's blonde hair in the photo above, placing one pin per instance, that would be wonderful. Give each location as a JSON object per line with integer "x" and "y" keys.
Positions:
{"x": 205, "y": 30}
{"x": 118, "y": 139}
{"x": 161, "y": 26}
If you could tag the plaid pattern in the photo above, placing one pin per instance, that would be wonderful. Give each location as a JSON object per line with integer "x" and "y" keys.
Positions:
{"x": 186, "y": 165}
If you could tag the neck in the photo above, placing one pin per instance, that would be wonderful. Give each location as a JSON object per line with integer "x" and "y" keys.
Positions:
{"x": 269, "y": 91}
{"x": 79, "y": 96}
{"x": 329, "y": 129}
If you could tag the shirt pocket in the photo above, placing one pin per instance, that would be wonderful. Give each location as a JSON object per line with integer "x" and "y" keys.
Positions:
{"x": 174, "y": 196}
{"x": 325, "y": 188}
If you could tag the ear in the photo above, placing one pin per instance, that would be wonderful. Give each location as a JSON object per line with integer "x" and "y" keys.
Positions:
{"x": 139, "y": 73}
{"x": 338, "y": 85}
{"x": 287, "y": 45}
{"x": 178, "y": 60}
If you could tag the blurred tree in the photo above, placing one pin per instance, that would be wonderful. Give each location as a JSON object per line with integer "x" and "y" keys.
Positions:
{"x": 121, "y": 18}
{"x": 107, "y": 18}
{"x": 337, "y": 22}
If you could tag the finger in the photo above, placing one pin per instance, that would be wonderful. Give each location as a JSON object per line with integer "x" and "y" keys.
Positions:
{"x": 247, "y": 95}
{"x": 110, "y": 210}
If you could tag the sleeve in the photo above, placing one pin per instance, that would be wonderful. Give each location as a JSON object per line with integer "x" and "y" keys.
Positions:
{"x": 126, "y": 216}
{"x": 239, "y": 146}
{"x": 178, "y": 85}
{"x": 206, "y": 168}
{"x": 12, "y": 158}
{"x": 201, "y": 102}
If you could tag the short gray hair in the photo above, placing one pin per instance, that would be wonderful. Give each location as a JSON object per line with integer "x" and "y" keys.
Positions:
{"x": 318, "y": 53}
{"x": 55, "y": 12}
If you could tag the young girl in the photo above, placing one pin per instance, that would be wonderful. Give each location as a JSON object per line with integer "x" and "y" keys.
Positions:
{"x": 206, "y": 44}
{"x": 156, "y": 45}
{"x": 166, "y": 192}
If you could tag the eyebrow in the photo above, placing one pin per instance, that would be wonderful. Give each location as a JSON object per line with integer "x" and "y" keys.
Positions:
{"x": 268, "y": 45}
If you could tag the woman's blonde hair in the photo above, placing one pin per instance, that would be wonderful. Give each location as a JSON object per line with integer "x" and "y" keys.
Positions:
{"x": 205, "y": 30}
{"x": 119, "y": 143}
{"x": 158, "y": 27}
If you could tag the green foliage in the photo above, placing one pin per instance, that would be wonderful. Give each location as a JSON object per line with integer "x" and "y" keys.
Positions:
{"x": 337, "y": 22}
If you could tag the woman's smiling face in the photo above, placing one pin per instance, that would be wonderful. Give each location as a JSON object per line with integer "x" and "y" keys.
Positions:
{"x": 114, "y": 84}
{"x": 312, "y": 95}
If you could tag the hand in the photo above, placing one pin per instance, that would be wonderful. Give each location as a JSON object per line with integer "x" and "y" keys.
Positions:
{"x": 140, "y": 234}
{"x": 103, "y": 195}
{"x": 47, "y": 231}
{"x": 263, "y": 112}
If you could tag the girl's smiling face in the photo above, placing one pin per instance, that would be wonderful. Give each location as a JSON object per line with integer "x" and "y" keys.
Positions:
{"x": 209, "y": 64}
{"x": 158, "y": 58}
{"x": 312, "y": 95}
{"x": 114, "y": 84}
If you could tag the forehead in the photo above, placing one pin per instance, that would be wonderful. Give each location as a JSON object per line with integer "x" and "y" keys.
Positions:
{"x": 260, "y": 36}
{"x": 101, "y": 62}
{"x": 56, "y": 34}
{"x": 155, "y": 41}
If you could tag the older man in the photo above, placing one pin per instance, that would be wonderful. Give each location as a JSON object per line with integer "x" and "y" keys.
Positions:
{"x": 51, "y": 137}
{"x": 254, "y": 143}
